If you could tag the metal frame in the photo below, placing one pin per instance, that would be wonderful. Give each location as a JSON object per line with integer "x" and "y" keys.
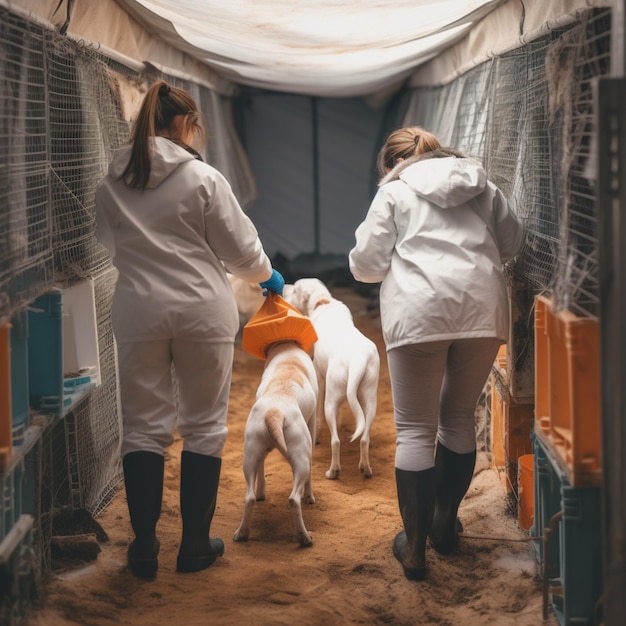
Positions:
{"x": 611, "y": 198}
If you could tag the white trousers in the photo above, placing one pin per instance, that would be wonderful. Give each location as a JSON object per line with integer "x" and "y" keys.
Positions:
{"x": 435, "y": 388}
{"x": 203, "y": 377}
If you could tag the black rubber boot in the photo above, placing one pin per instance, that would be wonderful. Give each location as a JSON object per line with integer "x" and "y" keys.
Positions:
{"x": 199, "y": 479}
{"x": 454, "y": 476}
{"x": 143, "y": 479}
{"x": 416, "y": 498}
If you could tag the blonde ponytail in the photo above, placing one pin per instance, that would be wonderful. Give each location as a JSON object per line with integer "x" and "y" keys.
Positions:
{"x": 404, "y": 143}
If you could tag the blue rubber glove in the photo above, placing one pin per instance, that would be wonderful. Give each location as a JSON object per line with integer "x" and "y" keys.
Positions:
{"x": 274, "y": 283}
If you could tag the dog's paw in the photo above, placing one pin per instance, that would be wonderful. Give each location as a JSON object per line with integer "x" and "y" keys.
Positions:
{"x": 240, "y": 535}
{"x": 366, "y": 471}
{"x": 333, "y": 474}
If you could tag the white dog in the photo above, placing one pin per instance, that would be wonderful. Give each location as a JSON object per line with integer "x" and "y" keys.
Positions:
{"x": 347, "y": 365}
{"x": 282, "y": 417}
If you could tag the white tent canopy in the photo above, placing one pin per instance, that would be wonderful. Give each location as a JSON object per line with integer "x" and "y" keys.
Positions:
{"x": 329, "y": 48}
{"x": 326, "y": 48}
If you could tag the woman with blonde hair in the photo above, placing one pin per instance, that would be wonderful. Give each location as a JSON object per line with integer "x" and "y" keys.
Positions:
{"x": 436, "y": 236}
{"x": 173, "y": 227}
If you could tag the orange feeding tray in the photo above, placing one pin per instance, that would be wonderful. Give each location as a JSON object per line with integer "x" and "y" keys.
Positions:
{"x": 276, "y": 321}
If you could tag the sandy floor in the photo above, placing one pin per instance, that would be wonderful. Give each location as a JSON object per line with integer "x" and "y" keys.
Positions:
{"x": 348, "y": 576}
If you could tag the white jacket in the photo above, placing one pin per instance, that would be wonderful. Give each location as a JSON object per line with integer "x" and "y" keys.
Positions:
{"x": 436, "y": 235}
{"x": 170, "y": 244}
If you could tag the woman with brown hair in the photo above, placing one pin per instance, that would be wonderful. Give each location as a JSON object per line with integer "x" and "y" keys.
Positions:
{"x": 173, "y": 228}
{"x": 436, "y": 236}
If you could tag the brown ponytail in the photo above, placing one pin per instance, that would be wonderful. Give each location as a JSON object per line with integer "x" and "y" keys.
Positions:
{"x": 404, "y": 143}
{"x": 158, "y": 115}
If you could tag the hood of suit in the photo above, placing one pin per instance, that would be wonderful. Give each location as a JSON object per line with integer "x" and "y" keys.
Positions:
{"x": 165, "y": 157}
{"x": 445, "y": 182}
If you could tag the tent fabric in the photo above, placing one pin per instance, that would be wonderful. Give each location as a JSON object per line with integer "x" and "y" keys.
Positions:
{"x": 289, "y": 167}
{"x": 507, "y": 27}
{"x": 114, "y": 31}
{"x": 326, "y": 48}
{"x": 329, "y": 48}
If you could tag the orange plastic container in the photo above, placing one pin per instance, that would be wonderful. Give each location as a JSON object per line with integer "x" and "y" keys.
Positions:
{"x": 276, "y": 321}
{"x": 511, "y": 428}
{"x": 6, "y": 428}
{"x": 500, "y": 361}
{"x": 567, "y": 391}
{"x": 526, "y": 490}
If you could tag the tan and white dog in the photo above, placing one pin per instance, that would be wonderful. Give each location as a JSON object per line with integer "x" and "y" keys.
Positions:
{"x": 282, "y": 417}
{"x": 347, "y": 365}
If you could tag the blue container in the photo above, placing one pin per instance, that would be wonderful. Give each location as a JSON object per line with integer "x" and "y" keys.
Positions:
{"x": 574, "y": 555}
{"x": 20, "y": 402}
{"x": 45, "y": 352}
{"x": 547, "y": 502}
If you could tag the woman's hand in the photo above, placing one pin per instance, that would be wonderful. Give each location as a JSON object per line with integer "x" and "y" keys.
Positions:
{"x": 274, "y": 283}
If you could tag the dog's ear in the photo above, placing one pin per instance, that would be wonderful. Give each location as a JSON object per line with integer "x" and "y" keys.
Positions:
{"x": 298, "y": 297}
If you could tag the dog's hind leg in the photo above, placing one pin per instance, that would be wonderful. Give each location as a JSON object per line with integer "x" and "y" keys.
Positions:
{"x": 364, "y": 459}
{"x": 309, "y": 498}
{"x": 332, "y": 402}
{"x": 301, "y": 478}
{"x": 319, "y": 412}
{"x": 260, "y": 480}
{"x": 253, "y": 470}
{"x": 368, "y": 400}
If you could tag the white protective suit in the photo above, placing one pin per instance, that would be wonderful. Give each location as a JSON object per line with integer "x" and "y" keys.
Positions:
{"x": 171, "y": 244}
{"x": 436, "y": 235}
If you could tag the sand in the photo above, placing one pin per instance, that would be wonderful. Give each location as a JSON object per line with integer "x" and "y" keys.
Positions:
{"x": 348, "y": 576}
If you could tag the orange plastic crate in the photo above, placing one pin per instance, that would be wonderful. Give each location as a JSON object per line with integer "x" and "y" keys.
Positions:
{"x": 511, "y": 428}
{"x": 500, "y": 362}
{"x": 6, "y": 430}
{"x": 567, "y": 391}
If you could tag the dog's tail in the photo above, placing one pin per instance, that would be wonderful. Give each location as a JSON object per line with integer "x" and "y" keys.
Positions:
{"x": 274, "y": 422}
{"x": 355, "y": 377}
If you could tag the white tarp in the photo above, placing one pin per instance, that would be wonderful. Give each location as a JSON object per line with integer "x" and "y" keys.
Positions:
{"x": 328, "y": 48}
{"x": 332, "y": 48}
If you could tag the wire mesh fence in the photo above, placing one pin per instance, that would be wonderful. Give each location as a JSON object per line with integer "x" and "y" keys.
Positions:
{"x": 26, "y": 258}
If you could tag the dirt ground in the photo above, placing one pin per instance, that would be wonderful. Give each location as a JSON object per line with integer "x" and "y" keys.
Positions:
{"x": 348, "y": 576}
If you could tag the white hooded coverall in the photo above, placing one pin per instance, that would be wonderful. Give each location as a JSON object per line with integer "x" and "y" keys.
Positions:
{"x": 436, "y": 235}
{"x": 172, "y": 244}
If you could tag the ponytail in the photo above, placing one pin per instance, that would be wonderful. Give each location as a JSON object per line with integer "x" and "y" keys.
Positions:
{"x": 404, "y": 143}
{"x": 161, "y": 104}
